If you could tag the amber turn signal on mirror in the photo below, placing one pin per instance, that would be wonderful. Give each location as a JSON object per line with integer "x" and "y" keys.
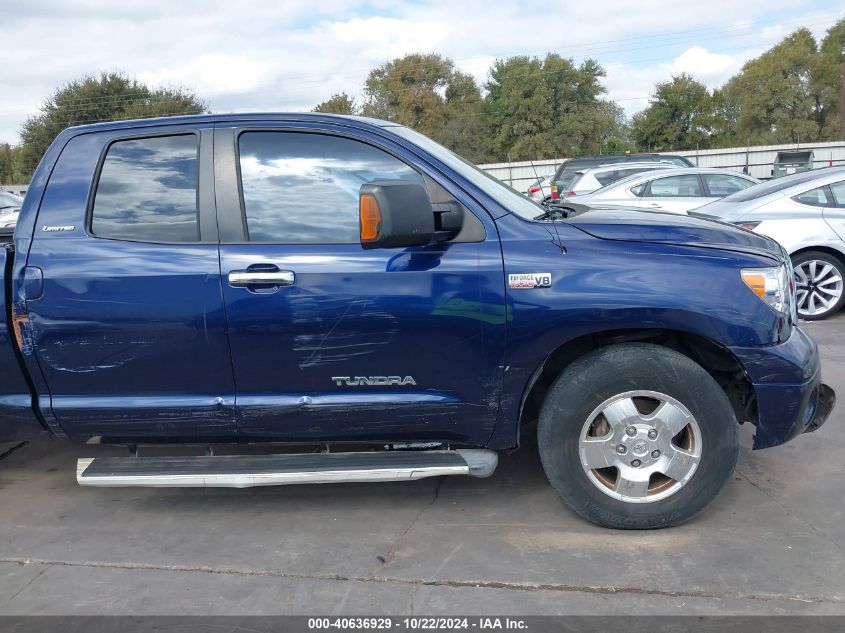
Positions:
{"x": 370, "y": 216}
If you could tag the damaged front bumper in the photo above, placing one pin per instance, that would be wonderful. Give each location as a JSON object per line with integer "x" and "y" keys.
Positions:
{"x": 790, "y": 396}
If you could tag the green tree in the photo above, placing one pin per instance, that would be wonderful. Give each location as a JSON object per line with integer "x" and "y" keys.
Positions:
{"x": 827, "y": 81}
{"x": 11, "y": 166}
{"x": 774, "y": 98}
{"x": 680, "y": 115}
{"x": 550, "y": 107}
{"x": 426, "y": 92}
{"x": 338, "y": 103}
{"x": 105, "y": 97}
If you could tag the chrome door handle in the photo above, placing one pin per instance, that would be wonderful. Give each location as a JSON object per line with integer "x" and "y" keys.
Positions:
{"x": 261, "y": 277}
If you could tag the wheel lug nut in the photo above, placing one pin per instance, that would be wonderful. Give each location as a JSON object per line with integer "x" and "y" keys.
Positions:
{"x": 636, "y": 463}
{"x": 655, "y": 454}
{"x": 652, "y": 434}
{"x": 621, "y": 449}
{"x": 631, "y": 430}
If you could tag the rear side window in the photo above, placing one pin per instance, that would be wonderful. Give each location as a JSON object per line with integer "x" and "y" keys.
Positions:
{"x": 817, "y": 197}
{"x": 607, "y": 177}
{"x": 838, "y": 190}
{"x": 303, "y": 188}
{"x": 147, "y": 190}
{"x": 630, "y": 171}
{"x": 721, "y": 185}
{"x": 675, "y": 187}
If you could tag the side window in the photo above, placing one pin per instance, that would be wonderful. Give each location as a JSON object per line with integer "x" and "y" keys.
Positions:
{"x": 607, "y": 177}
{"x": 817, "y": 197}
{"x": 147, "y": 190}
{"x": 301, "y": 188}
{"x": 638, "y": 190}
{"x": 838, "y": 190}
{"x": 630, "y": 171}
{"x": 686, "y": 186}
{"x": 721, "y": 185}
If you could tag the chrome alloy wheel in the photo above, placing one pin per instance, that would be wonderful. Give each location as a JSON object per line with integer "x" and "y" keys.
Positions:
{"x": 640, "y": 446}
{"x": 818, "y": 287}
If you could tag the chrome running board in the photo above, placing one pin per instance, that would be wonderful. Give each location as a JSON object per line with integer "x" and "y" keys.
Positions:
{"x": 244, "y": 471}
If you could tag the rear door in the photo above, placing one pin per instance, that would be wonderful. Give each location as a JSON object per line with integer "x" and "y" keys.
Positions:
{"x": 342, "y": 343}
{"x": 834, "y": 207}
{"x": 128, "y": 320}
{"x": 675, "y": 194}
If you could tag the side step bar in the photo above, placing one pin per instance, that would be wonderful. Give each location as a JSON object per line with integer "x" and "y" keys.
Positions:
{"x": 244, "y": 471}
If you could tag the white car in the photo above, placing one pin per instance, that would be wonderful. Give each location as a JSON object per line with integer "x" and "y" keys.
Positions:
{"x": 540, "y": 189}
{"x": 805, "y": 212}
{"x": 586, "y": 181}
{"x": 672, "y": 190}
{"x": 10, "y": 209}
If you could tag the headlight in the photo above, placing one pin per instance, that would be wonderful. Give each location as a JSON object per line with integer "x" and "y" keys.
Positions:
{"x": 773, "y": 285}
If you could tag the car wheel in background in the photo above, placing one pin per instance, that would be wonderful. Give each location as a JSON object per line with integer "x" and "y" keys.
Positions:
{"x": 819, "y": 284}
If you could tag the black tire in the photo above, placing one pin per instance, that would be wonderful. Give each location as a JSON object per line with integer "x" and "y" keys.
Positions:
{"x": 826, "y": 258}
{"x": 606, "y": 372}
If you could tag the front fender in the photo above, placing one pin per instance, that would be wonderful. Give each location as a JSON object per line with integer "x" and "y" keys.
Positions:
{"x": 600, "y": 286}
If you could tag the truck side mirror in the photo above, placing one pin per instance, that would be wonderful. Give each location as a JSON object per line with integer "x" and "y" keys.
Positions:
{"x": 395, "y": 213}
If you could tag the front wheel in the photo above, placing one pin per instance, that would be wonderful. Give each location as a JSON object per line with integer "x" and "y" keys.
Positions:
{"x": 637, "y": 436}
{"x": 818, "y": 284}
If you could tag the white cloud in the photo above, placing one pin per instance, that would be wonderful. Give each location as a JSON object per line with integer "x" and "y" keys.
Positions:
{"x": 215, "y": 73}
{"x": 632, "y": 86}
{"x": 706, "y": 66}
{"x": 258, "y": 55}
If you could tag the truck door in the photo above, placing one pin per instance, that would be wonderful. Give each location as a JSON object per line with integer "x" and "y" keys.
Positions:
{"x": 332, "y": 342}
{"x": 128, "y": 325}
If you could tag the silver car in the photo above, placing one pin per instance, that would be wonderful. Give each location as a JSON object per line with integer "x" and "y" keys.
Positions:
{"x": 672, "y": 190}
{"x": 540, "y": 189}
{"x": 10, "y": 209}
{"x": 805, "y": 212}
{"x": 585, "y": 181}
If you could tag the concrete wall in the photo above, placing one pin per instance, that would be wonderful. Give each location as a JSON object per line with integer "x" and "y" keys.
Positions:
{"x": 758, "y": 159}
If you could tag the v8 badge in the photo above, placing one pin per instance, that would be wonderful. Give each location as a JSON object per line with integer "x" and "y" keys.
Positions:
{"x": 530, "y": 280}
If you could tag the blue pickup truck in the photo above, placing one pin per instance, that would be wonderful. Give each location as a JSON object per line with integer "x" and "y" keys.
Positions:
{"x": 307, "y": 298}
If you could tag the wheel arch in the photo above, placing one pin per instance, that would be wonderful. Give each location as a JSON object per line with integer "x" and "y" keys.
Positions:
{"x": 715, "y": 358}
{"x": 830, "y": 250}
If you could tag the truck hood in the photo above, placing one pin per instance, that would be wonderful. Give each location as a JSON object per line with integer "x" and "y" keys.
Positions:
{"x": 636, "y": 225}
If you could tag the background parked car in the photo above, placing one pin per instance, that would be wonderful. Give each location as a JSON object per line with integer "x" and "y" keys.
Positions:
{"x": 10, "y": 207}
{"x": 540, "y": 189}
{"x": 9, "y": 200}
{"x": 674, "y": 190}
{"x": 586, "y": 181}
{"x": 805, "y": 212}
{"x": 566, "y": 170}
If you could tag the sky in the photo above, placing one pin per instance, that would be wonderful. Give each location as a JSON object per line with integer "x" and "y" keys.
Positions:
{"x": 260, "y": 55}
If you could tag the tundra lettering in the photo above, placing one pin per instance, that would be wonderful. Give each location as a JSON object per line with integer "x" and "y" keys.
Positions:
{"x": 373, "y": 380}
{"x": 172, "y": 281}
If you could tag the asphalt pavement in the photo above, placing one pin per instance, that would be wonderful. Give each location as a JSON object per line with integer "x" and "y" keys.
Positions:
{"x": 773, "y": 542}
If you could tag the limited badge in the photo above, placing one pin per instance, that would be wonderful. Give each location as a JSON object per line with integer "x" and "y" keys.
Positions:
{"x": 530, "y": 280}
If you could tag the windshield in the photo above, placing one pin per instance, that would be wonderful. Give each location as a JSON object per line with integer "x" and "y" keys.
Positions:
{"x": 509, "y": 197}
{"x": 772, "y": 186}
